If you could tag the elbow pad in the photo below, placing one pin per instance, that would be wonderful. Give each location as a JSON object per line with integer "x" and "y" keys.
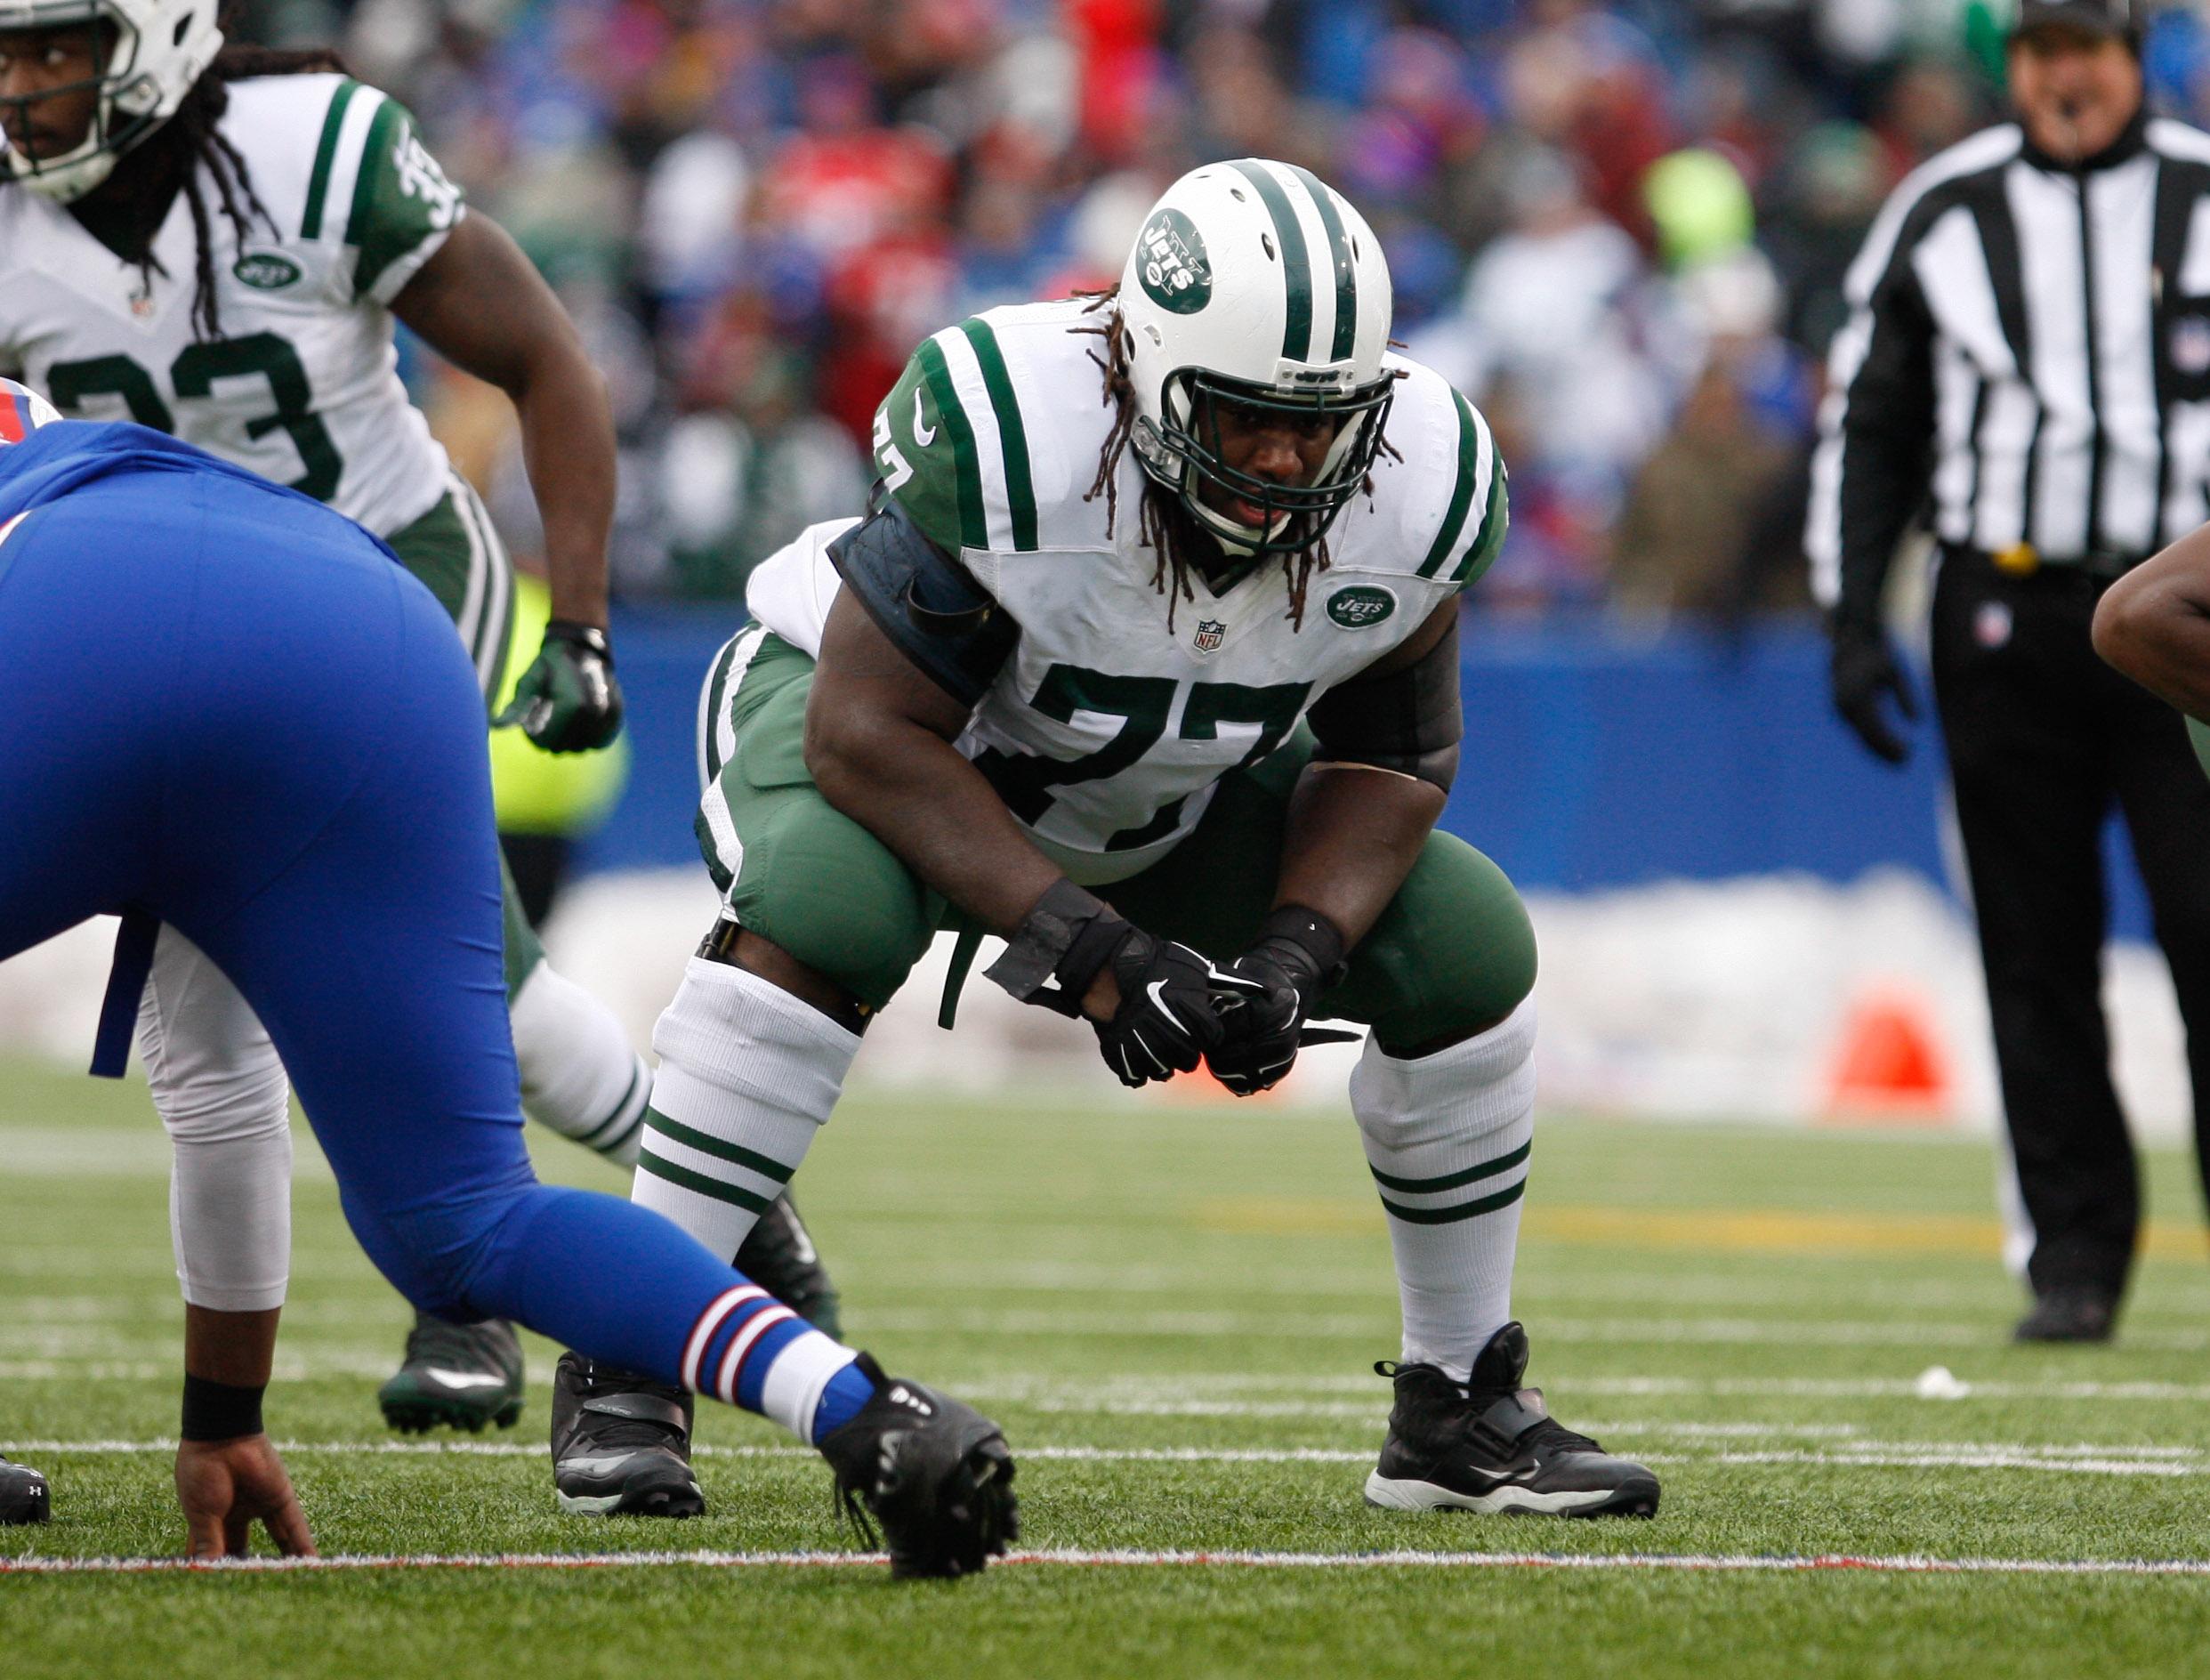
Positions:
{"x": 1407, "y": 722}
{"x": 925, "y": 601}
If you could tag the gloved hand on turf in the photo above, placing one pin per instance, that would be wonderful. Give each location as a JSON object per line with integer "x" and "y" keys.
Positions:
{"x": 568, "y": 701}
{"x": 1298, "y": 954}
{"x": 1864, "y": 669}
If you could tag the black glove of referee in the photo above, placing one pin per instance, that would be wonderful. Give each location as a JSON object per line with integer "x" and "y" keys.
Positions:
{"x": 1864, "y": 668}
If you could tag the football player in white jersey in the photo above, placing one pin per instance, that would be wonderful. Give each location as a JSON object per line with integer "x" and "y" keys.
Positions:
{"x": 1175, "y": 720}
{"x": 215, "y": 243}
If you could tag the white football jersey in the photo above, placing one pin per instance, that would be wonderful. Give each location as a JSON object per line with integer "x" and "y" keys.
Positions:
{"x": 303, "y": 387}
{"x": 1107, "y": 731}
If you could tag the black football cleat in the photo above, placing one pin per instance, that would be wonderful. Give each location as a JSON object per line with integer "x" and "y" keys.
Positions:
{"x": 621, "y": 1443}
{"x": 936, "y": 1473}
{"x": 1491, "y": 1446}
{"x": 24, "y": 1496}
{"x": 780, "y": 1257}
{"x": 464, "y": 1375}
{"x": 2072, "y": 1313}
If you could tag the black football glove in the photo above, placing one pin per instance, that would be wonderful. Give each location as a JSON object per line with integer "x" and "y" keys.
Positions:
{"x": 1864, "y": 669}
{"x": 1164, "y": 1021}
{"x": 568, "y": 701}
{"x": 1299, "y": 953}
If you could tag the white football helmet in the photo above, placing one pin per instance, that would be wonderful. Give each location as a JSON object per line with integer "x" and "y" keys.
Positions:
{"x": 22, "y": 411}
{"x": 1254, "y": 284}
{"x": 160, "y": 48}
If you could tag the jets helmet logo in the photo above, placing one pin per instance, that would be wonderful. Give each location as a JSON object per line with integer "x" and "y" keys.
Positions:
{"x": 1176, "y": 273}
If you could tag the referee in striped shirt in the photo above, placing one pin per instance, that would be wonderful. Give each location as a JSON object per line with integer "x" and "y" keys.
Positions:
{"x": 2027, "y": 367}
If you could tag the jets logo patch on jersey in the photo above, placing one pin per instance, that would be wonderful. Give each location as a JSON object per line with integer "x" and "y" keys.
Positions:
{"x": 1362, "y": 605}
{"x": 267, "y": 270}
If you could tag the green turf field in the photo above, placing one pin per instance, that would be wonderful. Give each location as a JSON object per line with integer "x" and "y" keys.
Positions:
{"x": 1173, "y": 1310}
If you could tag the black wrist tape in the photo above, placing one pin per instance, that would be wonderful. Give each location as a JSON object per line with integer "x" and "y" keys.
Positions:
{"x": 1051, "y": 929}
{"x": 216, "y": 1412}
{"x": 1305, "y": 941}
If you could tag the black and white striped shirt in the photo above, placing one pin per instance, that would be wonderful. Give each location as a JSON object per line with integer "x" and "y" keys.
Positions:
{"x": 2030, "y": 342}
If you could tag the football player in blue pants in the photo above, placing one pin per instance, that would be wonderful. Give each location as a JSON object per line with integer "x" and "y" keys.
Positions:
{"x": 235, "y": 713}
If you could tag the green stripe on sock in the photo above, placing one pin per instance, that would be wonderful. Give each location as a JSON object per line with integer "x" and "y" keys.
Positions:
{"x": 1296, "y": 333}
{"x": 1464, "y": 1210}
{"x": 974, "y": 530}
{"x": 595, "y": 1138}
{"x": 1461, "y": 497}
{"x": 1453, "y": 1181}
{"x": 325, "y": 154}
{"x": 735, "y": 1154}
{"x": 1012, "y": 438}
{"x": 1346, "y": 271}
{"x": 683, "y": 1178}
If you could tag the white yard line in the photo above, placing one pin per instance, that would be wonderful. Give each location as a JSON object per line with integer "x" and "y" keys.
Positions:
{"x": 2075, "y": 1459}
{"x": 1688, "y": 1562}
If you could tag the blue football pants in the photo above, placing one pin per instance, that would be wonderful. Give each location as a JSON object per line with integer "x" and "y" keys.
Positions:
{"x": 232, "y": 710}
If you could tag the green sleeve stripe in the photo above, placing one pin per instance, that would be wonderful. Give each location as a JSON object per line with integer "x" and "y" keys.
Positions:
{"x": 973, "y": 528}
{"x": 706, "y": 1144}
{"x": 1453, "y": 1181}
{"x": 1496, "y": 520}
{"x": 1461, "y": 498}
{"x": 325, "y": 154}
{"x": 375, "y": 255}
{"x": 1012, "y": 438}
{"x": 1464, "y": 1210}
{"x": 1296, "y": 333}
{"x": 683, "y": 1178}
{"x": 1346, "y": 272}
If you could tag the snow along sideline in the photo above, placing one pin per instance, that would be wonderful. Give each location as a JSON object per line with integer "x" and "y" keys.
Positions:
{"x": 1680, "y": 1000}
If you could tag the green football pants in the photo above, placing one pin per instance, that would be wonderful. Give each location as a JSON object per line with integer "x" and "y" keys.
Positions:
{"x": 1453, "y": 953}
{"x": 454, "y": 550}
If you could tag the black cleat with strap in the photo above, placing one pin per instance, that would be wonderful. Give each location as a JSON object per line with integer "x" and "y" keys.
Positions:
{"x": 1492, "y": 1446}
{"x": 934, "y": 1473}
{"x": 464, "y": 1375}
{"x": 24, "y": 1496}
{"x": 621, "y": 1443}
{"x": 780, "y": 1257}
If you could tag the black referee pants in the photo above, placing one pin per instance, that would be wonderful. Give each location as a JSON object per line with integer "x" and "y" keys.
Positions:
{"x": 2042, "y": 737}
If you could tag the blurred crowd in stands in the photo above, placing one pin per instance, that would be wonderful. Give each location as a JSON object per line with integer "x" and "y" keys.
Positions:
{"x": 1621, "y": 227}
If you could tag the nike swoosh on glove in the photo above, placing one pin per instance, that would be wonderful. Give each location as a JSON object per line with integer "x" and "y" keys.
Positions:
{"x": 568, "y": 701}
{"x": 1165, "y": 1023}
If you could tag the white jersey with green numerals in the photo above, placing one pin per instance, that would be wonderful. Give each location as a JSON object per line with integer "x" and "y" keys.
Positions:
{"x": 1107, "y": 731}
{"x": 303, "y": 387}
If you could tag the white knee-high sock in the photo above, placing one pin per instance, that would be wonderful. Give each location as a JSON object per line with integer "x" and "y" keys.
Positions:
{"x": 580, "y": 1074}
{"x": 1447, "y": 1137}
{"x": 748, "y": 1075}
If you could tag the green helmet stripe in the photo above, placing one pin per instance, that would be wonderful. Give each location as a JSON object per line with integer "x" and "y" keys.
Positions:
{"x": 1461, "y": 497}
{"x": 1296, "y": 333}
{"x": 325, "y": 154}
{"x": 974, "y": 531}
{"x": 1346, "y": 273}
{"x": 1012, "y": 438}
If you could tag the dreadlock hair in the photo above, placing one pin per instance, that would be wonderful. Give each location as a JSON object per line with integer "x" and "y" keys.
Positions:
{"x": 1166, "y": 527}
{"x": 146, "y": 180}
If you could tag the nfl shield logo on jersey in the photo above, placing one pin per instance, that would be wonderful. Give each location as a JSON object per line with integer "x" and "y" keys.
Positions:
{"x": 1210, "y": 634}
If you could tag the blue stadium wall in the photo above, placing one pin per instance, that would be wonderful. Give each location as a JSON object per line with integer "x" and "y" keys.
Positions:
{"x": 1594, "y": 759}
